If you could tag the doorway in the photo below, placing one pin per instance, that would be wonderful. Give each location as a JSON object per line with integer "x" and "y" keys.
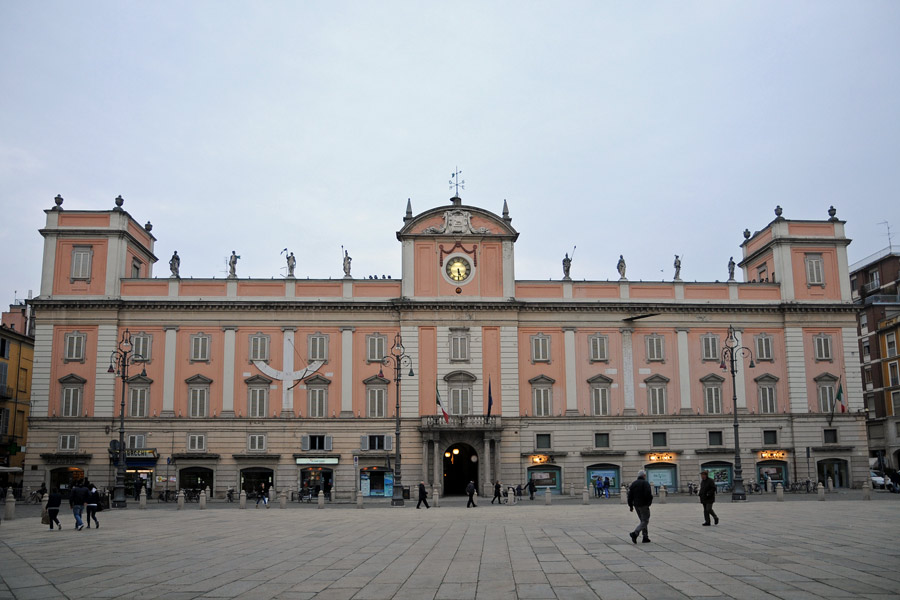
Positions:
{"x": 63, "y": 478}
{"x": 836, "y": 469}
{"x": 460, "y": 467}
{"x": 196, "y": 478}
{"x": 317, "y": 478}
{"x": 254, "y": 477}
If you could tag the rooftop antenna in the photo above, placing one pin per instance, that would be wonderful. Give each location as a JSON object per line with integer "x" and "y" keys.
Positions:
{"x": 456, "y": 183}
{"x": 889, "y": 236}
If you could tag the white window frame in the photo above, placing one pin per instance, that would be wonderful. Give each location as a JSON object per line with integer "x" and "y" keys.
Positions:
{"x": 459, "y": 344}
{"x": 258, "y": 346}
{"x": 74, "y": 348}
{"x": 142, "y": 345}
{"x": 257, "y": 401}
{"x": 826, "y": 394}
{"x": 890, "y": 345}
{"x": 200, "y": 347}
{"x": 866, "y": 352}
{"x": 306, "y": 442}
{"x": 863, "y": 323}
{"x": 317, "y": 346}
{"x": 540, "y": 348}
{"x": 198, "y": 401}
{"x": 764, "y": 347}
{"x": 317, "y": 400}
{"x": 768, "y": 399}
{"x": 376, "y": 401}
{"x": 71, "y": 399}
{"x": 68, "y": 442}
{"x": 815, "y": 269}
{"x": 823, "y": 347}
{"x": 376, "y": 347}
{"x": 136, "y": 440}
{"x": 709, "y": 346}
{"x": 542, "y": 399}
{"x": 256, "y": 442}
{"x": 196, "y": 442}
{"x": 138, "y": 400}
{"x": 656, "y": 399}
{"x": 82, "y": 257}
{"x": 598, "y": 348}
{"x": 460, "y": 399}
{"x": 600, "y": 400}
{"x": 366, "y": 442}
{"x": 655, "y": 346}
{"x": 712, "y": 398}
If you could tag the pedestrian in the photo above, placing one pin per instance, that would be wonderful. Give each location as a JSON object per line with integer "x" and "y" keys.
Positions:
{"x": 470, "y": 491}
{"x": 497, "y": 497}
{"x": 423, "y": 495}
{"x": 42, "y": 490}
{"x": 640, "y": 497}
{"x": 707, "y": 497}
{"x": 93, "y": 505}
{"x": 599, "y": 487}
{"x": 262, "y": 496}
{"x": 77, "y": 499}
{"x": 54, "y": 501}
{"x": 606, "y": 487}
{"x": 531, "y": 488}
{"x": 519, "y": 491}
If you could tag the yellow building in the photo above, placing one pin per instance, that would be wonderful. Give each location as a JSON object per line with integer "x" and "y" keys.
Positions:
{"x": 16, "y": 360}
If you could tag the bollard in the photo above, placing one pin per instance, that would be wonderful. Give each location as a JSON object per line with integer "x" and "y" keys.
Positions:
{"x": 321, "y": 499}
{"x": 585, "y": 496}
{"x": 180, "y": 499}
{"x": 572, "y": 489}
{"x": 623, "y": 495}
{"x": 282, "y": 499}
{"x": 867, "y": 490}
{"x": 359, "y": 501}
{"x": 546, "y": 497}
{"x": 830, "y": 487}
{"x": 662, "y": 495}
{"x": 202, "y": 501}
{"x": 779, "y": 492}
{"x": 436, "y": 495}
{"x": 353, "y": 494}
{"x": 820, "y": 490}
{"x": 243, "y": 500}
{"x": 209, "y": 495}
{"x": 9, "y": 513}
{"x": 44, "y": 500}
{"x": 143, "y": 499}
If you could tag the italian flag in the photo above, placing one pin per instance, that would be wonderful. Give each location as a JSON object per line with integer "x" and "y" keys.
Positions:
{"x": 840, "y": 397}
{"x": 437, "y": 395}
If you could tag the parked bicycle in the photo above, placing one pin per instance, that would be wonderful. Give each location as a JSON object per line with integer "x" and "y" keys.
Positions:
{"x": 166, "y": 496}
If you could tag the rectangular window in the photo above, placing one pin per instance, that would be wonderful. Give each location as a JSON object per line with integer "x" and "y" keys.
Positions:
{"x": 712, "y": 394}
{"x": 874, "y": 280}
{"x": 4, "y": 375}
{"x": 319, "y": 442}
{"x": 830, "y": 436}
{"x": 762, "y": 273}
{"x": 376, "y": 442}
{"x": 375, "y": 402}
{"x": 198, "y": 401}
{"x": 659, "y": 439}
{"x": 601, "y": 440}
{"x": 138, "y": 401}
{"x": 68, "y": 442}
{"x": 814, "y": 270}
{"x": 71, "y": 401}
{"x": 540, "y": 348}
{"x": 4, "y": 421}
{"x": 135, "y": 269}
{"x": 142, "y": 343}
{"x": 770, "y": 437}
{"x": 4, "y": 348}
{"x": 318, "y": 347}
{"x": 657, "y": 394}
{"x": 259, "y": 347}
{"x": 823, "y": 347}
{"x": 542, "y": 404}
{"x": 258, "y": 402}
{"x": 826, "y": 398}
{"x": 459, "y": 345}
{"x": 375, "y": 347}
{"x": 863, "y": 323}
{"x": 460, "y": 401}
{"x": 867, "y": 376}
{"x": 136, "y": 440}
{"x": 81, "y": 262}
{"x": 600, "y": 400}
{"x": 655, "y": 347}
{"x": 894, "y": 373}
{"x": 891, "y": 344}
{"x": 767, "y": 399}
{"x": 710, "y": 347}
{"x": 256, "y": 442}
{"x": 196, "y": 442}
{"x": 895, "y": 402}
{"x": 200, "y": 347}
{"x": 542, "y": 441}
{"x": 763, "y": 347}
{"x": 317, "y": 403}
{"x": 715, "y": 438}
{"x": 75, "y": 342}
{"x": 867, "y": 354}
{"x": 599, "y": 348}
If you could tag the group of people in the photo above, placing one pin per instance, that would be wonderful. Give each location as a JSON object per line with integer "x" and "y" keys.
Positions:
{"x": 84, "y": 499}
{"x": 640, "y": 497}
{"x": 602, "y": 487}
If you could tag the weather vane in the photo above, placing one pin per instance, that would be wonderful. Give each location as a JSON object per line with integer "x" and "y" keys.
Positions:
{"x": 456, "y": 183}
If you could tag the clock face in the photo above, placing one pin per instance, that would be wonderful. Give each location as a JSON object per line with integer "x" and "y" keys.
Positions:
{"x": 458, "y": 268}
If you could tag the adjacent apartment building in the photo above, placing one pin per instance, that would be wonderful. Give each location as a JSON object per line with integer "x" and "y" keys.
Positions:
{"x": 16, "y": 360}
{"x": 242, "y": 382}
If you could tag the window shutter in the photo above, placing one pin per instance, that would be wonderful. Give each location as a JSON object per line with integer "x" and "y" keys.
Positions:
{"x": 328, "y": 442}
{"x": 387, "y": 442}
{"x": 304, "y": 442}
{"x": 363, "y": 442}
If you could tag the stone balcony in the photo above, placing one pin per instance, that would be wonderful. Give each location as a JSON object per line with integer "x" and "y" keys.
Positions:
{"x": 461, "y": 423}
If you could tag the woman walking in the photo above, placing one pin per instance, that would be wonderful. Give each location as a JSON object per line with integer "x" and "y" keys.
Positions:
{"x": 92, "y": 505}
{"x": 54, "y": 501}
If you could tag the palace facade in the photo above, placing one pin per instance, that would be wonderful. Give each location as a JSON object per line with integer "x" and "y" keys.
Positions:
{"x": 241, "y": 382}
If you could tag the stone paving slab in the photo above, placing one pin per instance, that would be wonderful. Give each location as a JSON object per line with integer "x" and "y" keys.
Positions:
{"x": 841, "y": 548}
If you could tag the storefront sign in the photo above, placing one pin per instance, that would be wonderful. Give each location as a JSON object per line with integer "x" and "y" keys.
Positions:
{"x": 540, "y": 459}
{"x": 317, "y": 461}
{"x": 661, "y": 457}
{"x": 141, "y": 453}
{"x": 772, "y": 455}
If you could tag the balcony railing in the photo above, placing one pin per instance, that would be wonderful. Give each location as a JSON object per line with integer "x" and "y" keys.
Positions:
{"x": 871, "y": 286}
{"x": 472, "y": 422}
{"x": 6, "y": 392}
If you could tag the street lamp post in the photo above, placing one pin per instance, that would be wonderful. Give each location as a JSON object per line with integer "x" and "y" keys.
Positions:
{"x": 398, "y": 359}
{"x": 732, "y": 352}
{"x": 119, "y": 361}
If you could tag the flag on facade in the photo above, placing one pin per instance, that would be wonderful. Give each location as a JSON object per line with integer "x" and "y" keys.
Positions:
{"x": 437, "y": 395}
{"x": 840, "y": 397}
{"x": 490, "y": 398}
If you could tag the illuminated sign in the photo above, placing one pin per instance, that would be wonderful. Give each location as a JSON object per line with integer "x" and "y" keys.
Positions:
{"x": 539, "y": 459}
{"x": 317, "y": 461}
{"x": 661, "y": 457}
{"x": 772, "y": 455}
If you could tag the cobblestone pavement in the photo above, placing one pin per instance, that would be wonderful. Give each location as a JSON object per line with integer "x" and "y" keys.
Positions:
{"x": 840, "y": 548}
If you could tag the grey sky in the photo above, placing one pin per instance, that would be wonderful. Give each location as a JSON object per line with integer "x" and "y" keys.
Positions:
{"x": 643, "y": 129}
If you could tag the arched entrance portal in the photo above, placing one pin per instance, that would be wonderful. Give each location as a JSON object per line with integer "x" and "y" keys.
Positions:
{"x": 460, "y": 467}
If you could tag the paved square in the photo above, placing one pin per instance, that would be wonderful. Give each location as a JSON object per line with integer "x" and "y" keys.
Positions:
{"x": 841, "y": 548}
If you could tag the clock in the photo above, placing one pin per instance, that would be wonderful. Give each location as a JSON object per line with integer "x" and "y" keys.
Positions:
{"x": 458, "y": 268}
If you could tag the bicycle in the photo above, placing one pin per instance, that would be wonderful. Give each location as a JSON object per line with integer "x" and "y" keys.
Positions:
{"x": 166, "y": 496}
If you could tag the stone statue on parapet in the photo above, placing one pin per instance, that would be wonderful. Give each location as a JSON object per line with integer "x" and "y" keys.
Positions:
{"x": 291, "y": 265}
{"x": 232, "y": 265}
{"x": 567, "y": 265}
{"x": 677, "y": 268}
{"x": 347, "y": 260}
{"x": 620, "y": 267}
{"x": 175, "y": 264}
{"x": 731, "y": 269}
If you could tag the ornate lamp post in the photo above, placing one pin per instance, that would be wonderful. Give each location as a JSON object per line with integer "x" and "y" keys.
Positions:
{"x": 732, "y": 352}
{"x": 119, "y": 361}
{"x": 399, "y": 360}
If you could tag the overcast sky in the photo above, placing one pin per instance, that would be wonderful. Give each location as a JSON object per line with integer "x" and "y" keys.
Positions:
{"x": 645, "y": 129}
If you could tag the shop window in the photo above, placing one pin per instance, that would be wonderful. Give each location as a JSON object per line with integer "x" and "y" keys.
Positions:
{"x": 830, "y": 436}
{"x": 196, "y": 442}
{"x": 659, "y": 439}
{"x": 259, "y": 346}
{"x": 710, "y": 346}
{"x": 256, "y": 442}
{"x": 318, "y": 346}
{"x": 770, "y": 437}
{"x": 715, "y": 438}
{"x": 599, "y": 347}
{"x": 74, "y": 349}
{"x": 601, "y": 440}
{"x": 540, "y": 348}
{"x": 68, "y": 442}
{"x": 542, "y": 441}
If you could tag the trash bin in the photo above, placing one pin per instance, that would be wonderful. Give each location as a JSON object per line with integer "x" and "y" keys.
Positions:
{"x": 406, "y": 492}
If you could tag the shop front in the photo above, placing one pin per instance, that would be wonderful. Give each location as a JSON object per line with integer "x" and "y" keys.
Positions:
{"x": 140, "y": 464}
{"x": 316, "y": 474}
{"x": 64, "y": 478}
{"x": 720, "y": 472}
{"x": 546, "y": 477}
{"x": 772, "y": 465}
{"x": 376, "y": 481}
{"x": 834, "y": 469}
{"x": 593, "y": 473}
{"x": 662, "y": 471}
{"x": 65, "y": 470}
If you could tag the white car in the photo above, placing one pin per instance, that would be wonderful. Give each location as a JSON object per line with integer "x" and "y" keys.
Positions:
{"x": 877, "y": 480}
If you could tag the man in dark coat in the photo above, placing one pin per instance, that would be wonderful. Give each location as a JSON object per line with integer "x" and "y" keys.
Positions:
{"x": 531, "y": 488}
{"x": 77, "y": 499}
{"x": 423, "y": 495}
{"x": 470, "y": 491}
{"x": 640, "y": 497}
{"x": 497, "y": 496}
{"x": 707, "y": 497}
